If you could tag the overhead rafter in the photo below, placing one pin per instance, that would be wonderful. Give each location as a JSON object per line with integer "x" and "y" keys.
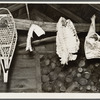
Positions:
{"x": 41, "y": 15}
{"x": 95, "y": 6}
{"x": 14, "y": 7}
{"x": 22, "y": 24}
{"x": 67, "y": 13}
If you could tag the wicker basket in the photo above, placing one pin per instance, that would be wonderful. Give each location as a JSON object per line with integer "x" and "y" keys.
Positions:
{"x": 8, "y": 39}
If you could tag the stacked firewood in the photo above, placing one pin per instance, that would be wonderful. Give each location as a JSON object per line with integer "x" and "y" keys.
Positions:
{"x": 78, "y": 76}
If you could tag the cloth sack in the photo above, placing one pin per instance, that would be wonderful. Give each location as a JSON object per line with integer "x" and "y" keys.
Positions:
{"x": 92, "y": 42}
{"x": 34, "y": 28}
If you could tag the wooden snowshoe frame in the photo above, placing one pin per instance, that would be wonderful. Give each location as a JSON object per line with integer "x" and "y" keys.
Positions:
{"x": 8, "y": 40}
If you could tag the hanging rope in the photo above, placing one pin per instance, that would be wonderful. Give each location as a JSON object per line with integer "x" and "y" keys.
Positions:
{"x": 27, "y": 11}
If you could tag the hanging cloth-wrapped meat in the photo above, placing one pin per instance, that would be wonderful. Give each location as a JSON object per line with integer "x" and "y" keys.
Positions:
{"x": 67, "y": 41}
{"x": 92, "y": 42}
{"x": 34, "y": 28}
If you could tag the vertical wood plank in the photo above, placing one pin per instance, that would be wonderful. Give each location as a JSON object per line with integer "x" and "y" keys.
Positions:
{"x": 38, "y": 74}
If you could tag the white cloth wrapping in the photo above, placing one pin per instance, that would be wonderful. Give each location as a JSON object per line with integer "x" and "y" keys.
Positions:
{"x": 92, "y": 42}
{"x": 67, "y": 42}
{"x": 34, "y": 28}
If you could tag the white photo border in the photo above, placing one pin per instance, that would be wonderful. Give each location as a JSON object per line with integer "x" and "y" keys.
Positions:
{"x": 50, "y": 95}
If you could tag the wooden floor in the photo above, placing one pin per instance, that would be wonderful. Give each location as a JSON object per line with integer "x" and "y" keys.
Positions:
{"x": 24, "y": 75}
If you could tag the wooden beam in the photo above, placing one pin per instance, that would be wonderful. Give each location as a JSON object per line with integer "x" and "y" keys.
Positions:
{"x": 95, "y": 6}
{"x": 37, "y": 42}
{"x": 67, "y": 13}
{"x": 35, "y": 13}
{"x": 22, "y": 24}
{"x": 14, "y": 7}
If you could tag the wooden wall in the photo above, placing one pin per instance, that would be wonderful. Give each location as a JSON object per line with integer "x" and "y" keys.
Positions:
{"x": 24, "y": 73}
